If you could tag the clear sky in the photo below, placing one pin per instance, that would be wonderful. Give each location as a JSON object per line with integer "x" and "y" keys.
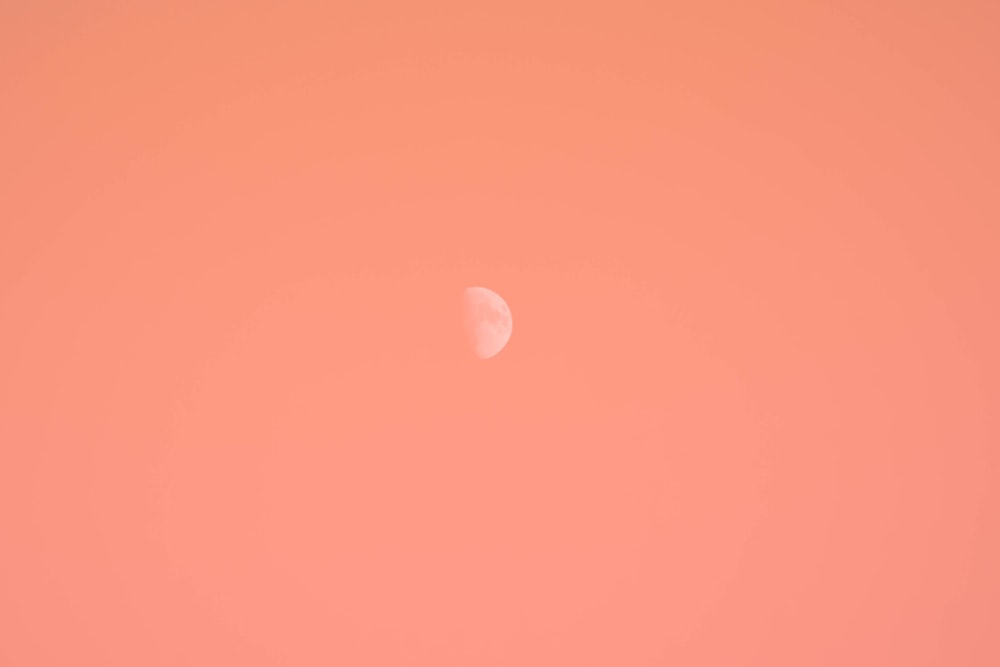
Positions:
{"x": 748, "y": 414}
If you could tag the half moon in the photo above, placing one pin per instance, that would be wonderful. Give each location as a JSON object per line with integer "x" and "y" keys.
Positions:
{"x": 487, "y": 321}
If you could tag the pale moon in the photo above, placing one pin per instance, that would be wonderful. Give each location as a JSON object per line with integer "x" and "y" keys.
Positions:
{"x": 487, "y": 321}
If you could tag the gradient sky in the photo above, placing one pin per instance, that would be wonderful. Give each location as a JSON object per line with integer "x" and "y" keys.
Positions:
{"x": 748, "y": 414}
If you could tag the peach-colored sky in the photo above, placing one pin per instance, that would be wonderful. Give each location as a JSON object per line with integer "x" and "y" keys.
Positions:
{"x": 748, "y": 415}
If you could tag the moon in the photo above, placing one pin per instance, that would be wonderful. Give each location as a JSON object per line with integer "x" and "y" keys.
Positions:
{"x": 487, "y": 321}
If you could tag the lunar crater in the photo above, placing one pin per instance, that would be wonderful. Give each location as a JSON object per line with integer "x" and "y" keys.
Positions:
{"x": 487, "y": 321}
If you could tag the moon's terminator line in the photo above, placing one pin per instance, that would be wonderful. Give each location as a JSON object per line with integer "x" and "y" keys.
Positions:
{"x": 487, "y": 321}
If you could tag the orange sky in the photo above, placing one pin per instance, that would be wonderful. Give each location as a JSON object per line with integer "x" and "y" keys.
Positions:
{"x": 748, "y": 414}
